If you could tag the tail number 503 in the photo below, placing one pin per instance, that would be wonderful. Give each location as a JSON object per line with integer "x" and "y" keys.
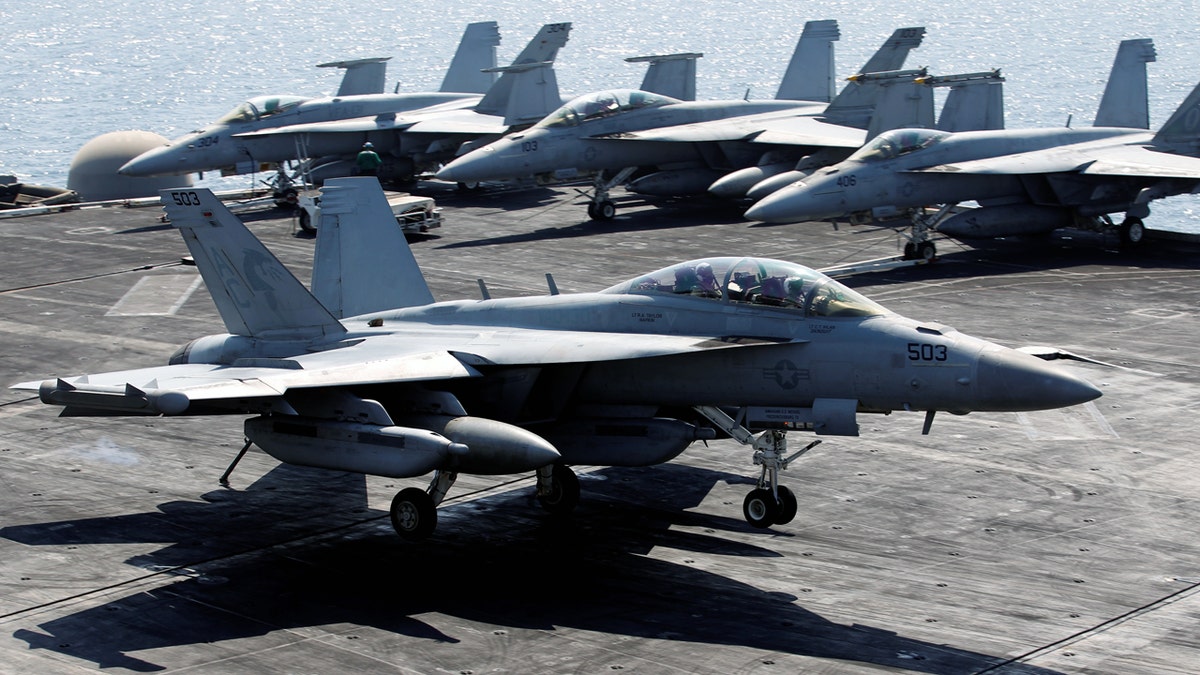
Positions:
{"x": 918, "y": 351}
{"x": 185, "y": 198}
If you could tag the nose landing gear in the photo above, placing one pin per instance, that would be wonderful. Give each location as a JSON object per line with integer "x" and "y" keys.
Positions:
{"x": 769, "y": 503}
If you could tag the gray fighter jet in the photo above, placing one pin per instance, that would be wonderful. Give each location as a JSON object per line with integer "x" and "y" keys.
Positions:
{"x": 242, "y": 142}
{"x": 1025, "y": 181}
{"x": 370, "y": 375}
{"x": 683, "y": 146}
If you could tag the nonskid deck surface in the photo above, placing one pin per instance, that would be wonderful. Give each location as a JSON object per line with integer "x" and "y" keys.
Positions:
{"x": 1044, "y": 542}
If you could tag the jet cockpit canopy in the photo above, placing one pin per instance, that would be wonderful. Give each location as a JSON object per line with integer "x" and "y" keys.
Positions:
{"x": 602, "y": 104}
{"x": 897, "y": 142}
{"x": 259, "y": 108}
{"x": 754, "y": 281}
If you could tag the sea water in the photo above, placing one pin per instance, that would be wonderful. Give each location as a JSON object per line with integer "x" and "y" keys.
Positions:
{"x": 74, "y": 71}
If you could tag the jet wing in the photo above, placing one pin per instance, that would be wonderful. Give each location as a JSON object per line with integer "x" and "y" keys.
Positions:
{"x": 356, "y": 125}
{"x": 774, "y": 129}
{"x": 1040, "y": 161}
{"x": 484, "y": 125}
{"x": 538, "y": 347}
{"x": 393, "y": 358}
{"x": 1145, "y": 162}
{"x": 1119, "y": 160}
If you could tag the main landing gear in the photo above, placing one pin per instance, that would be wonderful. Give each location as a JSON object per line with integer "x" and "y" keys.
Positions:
{"x": 414, "y": 511}
{"x": 769, "y": 503}
{"x": 557, "y": 489}
{"x": 1132, "y": 231}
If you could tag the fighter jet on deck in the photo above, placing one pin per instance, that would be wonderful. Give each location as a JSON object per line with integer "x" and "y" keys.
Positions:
{"x": 268, "y": 130}
{"x": 370, "y": 375}
{"x": 1025, "y": 181}
{"x": 683, "y": 146}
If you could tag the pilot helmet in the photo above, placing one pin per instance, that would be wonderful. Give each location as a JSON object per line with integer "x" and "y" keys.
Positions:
{"x": 368, "y": 145}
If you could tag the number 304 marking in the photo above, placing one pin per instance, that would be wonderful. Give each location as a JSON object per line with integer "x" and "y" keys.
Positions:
{"x": 186, "y": 198}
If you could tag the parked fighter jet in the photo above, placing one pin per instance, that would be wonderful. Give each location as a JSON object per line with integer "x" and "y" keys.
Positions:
{"x": 401, "y": 386}
{"x": 415, "y": 141}
{"x": 238, "y": 142}
{"x": 690, "y": 144}
{"x": 975, "y": 102}
{"x": 1026, "y": 181}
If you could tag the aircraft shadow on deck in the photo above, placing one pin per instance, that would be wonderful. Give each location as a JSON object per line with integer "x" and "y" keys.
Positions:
{"x": 1022, "y": 255}
{"x": 497, "y": 560}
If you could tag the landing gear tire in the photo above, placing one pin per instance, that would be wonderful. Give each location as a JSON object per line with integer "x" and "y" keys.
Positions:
{"x": 926, "y": 251}
{"x": 910, "y": 251}
{"x": 787, "y": 506}
{"x": 1133, "y": 231}
{"x": 287, "y": 199}
{"x": 604, "y": 210}
{"x": 306, "y": 222}
{"x": 413, "y": 514}
{"x": 760, "y": 508}
{"x": 468, "y": 187}
{"x": 564, "y": 491}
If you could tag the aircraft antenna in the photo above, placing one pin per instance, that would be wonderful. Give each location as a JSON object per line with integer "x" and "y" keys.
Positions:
{"x": 483, "y": 290}
{"x": 1069, "y": 116}
{"x": 550, "y": 282}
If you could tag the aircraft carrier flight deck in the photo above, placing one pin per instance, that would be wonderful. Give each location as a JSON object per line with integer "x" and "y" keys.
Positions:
{"x": 1049, "y": 542}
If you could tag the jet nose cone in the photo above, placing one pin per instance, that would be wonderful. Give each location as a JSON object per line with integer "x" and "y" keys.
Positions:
{"x": 1009, "y": 380}
{"x": 782, "y": 206}
{"x": 814, "y": 198}
{"x": 153, "y": 162}
{"x": 473, "y": 167}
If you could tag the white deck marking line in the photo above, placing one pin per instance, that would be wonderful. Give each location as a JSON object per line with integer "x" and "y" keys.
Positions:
{"x": 152, "y": 293}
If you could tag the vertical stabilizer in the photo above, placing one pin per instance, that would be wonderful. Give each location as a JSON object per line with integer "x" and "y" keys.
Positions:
{"x": 545, "y": 45}
{"x": 902, "y": 104}
{"x": 476, "y": 53}
{"x": 810, "y": 75}
{"x": 855, "y": 106}
{"x": 255, "y": 294}
{"x": 1183, "y": 129}
{"x": 362, "y": 76}
{"x": 525, "y": 78}
{"x": 855, "y": 103}
{"x": 975, "y": 101}
{"x": 363, "y": 262}
{"x": 671, "y": 75}
{"x": 1126, "y": 101}
{"x": 894, "y": 52}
